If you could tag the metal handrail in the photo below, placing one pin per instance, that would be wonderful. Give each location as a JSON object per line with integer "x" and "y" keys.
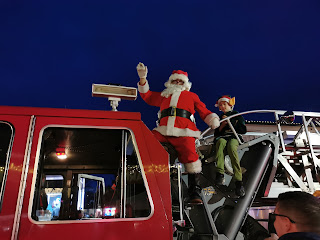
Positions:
{"x": 275, "y": 112}
{"x": 305, "y": 123}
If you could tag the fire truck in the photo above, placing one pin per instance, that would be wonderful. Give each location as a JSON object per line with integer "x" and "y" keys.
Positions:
{"x": 86, "y": 174}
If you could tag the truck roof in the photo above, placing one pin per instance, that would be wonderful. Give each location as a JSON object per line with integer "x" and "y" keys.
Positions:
{"x": 61, "y": 112}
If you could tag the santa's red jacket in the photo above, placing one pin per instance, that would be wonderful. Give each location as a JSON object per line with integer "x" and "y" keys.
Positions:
{"x": 175, "y": 125}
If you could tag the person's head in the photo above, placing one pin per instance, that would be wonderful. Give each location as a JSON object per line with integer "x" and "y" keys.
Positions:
{"x": 178, "y": 81}
{"x": 225, "y": 103}
{"x": 297, "y": 212}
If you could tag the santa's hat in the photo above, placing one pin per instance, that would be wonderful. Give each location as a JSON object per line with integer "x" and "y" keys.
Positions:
{"x": 179, "y": 74}
{"x": 226, "y": 98}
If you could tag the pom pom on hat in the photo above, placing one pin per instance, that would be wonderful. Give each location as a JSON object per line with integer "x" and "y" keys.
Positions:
{"x": 226, "y": 98}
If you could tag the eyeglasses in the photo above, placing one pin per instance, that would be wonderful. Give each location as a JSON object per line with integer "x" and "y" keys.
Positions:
{"x": 177, "y": 81}
{"x": 272, "y": 217}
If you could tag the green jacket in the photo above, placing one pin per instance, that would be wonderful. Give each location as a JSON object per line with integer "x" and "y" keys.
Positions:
{"x": 237, "y": 122}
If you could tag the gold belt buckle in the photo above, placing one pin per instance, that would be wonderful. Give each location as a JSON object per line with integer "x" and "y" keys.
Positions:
{"x": 173, "y": 111}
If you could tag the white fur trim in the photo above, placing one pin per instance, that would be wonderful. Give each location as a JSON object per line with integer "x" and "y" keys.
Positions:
{"x": 188, "y": 85}
{"x": 177, "y": 132}
{"x": 210, "y": 117}
{"x": 171, "y": 119}
{"x": 178, "y": 76}
{"x": 222, "y": 99}
{"x": 174, "y": 99}
{"x": 212, "y": 120}
{"x": 170, "y": 125}
{"x": 193, "y": 167}
{"x": 143, "y": 89}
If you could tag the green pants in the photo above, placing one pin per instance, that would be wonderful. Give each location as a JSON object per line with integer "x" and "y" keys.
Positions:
{"x": 232, "y": 147}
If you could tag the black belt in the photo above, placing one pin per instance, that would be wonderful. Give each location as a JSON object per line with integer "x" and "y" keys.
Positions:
{"x": 173, "y": 111}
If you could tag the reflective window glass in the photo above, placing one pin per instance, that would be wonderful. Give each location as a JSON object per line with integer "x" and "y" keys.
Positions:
{"x": 6, "y": 139}
{"x": 86, "y": 174}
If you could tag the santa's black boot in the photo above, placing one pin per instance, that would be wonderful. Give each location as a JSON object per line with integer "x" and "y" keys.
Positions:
{"x": 194, "y": 189}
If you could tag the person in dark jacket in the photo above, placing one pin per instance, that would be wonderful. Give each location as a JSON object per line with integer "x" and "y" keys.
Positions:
{"x": 225, "y": 138}
{"x": 296, "y": 216}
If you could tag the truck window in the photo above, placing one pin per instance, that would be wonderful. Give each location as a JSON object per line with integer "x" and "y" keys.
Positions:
{"x": 87, "y": 174}
{"x": 6, "y": 139}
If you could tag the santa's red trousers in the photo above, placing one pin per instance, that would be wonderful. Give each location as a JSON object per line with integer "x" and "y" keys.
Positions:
{"x": 185, "y": 146}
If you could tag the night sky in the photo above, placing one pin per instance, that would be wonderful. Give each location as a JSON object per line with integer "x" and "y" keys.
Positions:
{"x": 265, "y": 53}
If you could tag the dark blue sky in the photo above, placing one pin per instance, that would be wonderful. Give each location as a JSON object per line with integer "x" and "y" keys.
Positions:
{"x": 265, "y": 53}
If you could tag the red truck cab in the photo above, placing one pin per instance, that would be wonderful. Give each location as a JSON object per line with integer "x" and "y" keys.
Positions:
{"x": 81, "y": 174}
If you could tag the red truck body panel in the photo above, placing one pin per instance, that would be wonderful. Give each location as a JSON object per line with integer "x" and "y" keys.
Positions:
{"x": 153, "y": 157}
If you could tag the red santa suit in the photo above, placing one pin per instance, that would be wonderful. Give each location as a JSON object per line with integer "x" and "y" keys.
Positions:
{"x": 179, "y": 131}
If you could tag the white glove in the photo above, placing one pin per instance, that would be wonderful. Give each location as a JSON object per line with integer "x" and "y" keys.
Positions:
{"x": 215, "y": 123}
{"x": 142, "y": 70}
{"x": 212, "y": 120}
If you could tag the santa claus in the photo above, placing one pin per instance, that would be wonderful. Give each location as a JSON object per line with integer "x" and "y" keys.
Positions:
{"x": 176, "y": 125}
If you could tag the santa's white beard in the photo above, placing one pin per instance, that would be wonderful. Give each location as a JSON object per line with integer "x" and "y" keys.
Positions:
{"x": 171, "y": 88}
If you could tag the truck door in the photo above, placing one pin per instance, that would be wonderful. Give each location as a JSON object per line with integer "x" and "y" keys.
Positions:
{"x": 86, "y": 180}
{"x": 15, "y": 134}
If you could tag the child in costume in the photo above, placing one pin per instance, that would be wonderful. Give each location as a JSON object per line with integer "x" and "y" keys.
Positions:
{"x": 225, "y": 138}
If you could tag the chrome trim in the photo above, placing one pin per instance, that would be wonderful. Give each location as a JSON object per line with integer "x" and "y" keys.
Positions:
{"x": 307, "y": 170}
{"x": 281, "y": 154}
{"x": 313, "y": 156}
{"x": 123, "y": 196}
{"x": 234, "y": 131}
{"x": 291, "y": 171}
{"x": 23, "y": 180}
{"x": 209, "y": 215}
{"x": 96, "y": 220}
{"x": 178, "y": 166}
{"x": 283, "y": 146}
